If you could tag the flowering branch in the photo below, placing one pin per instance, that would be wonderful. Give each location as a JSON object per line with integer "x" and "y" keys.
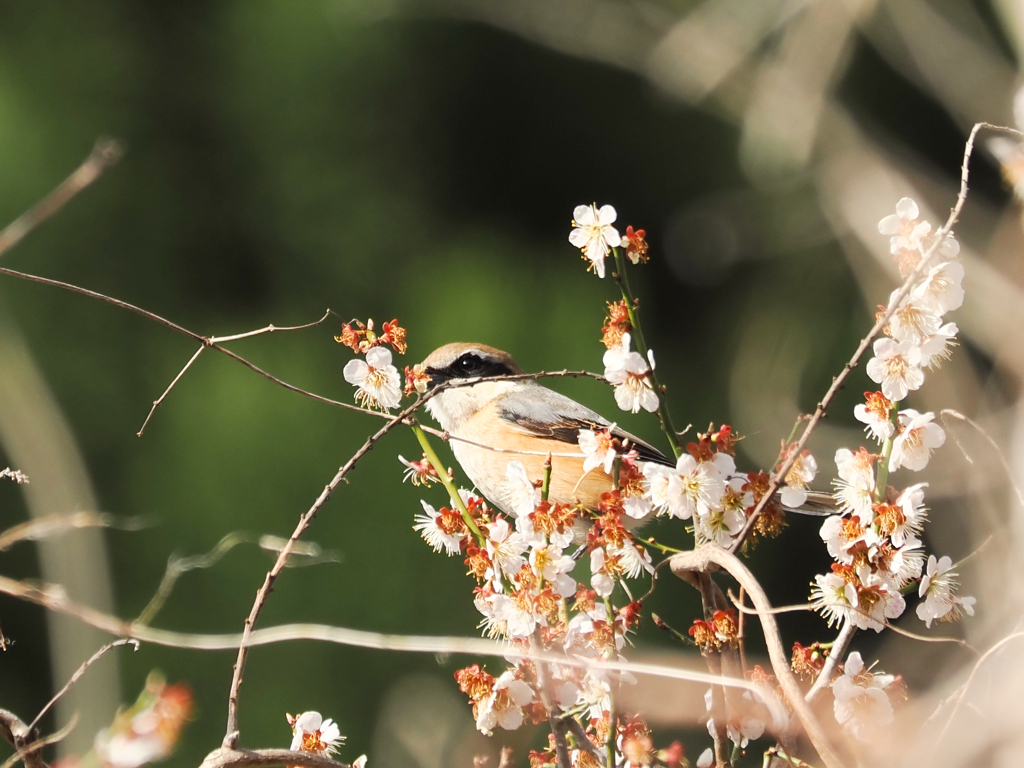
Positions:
{"x": 895, "y": 303}
{"x": 664, "y": 418}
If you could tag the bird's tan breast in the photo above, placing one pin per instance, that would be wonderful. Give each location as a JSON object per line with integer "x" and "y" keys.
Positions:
{"x": 486, "y": 468}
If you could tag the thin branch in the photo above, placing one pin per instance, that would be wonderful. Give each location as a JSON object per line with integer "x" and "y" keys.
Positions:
{"x": 177, "y": 566}
{"x": 584, "y": 741}
{"x": 104, "y": 154}
{"x": 218, "y": 340}
{"x": 448, "y": 436}
{"x": 698, "y": 561}
{"x": 81, "y": 671}
{"x": 991, "y": 441}
{"x": 264, "y": 758}
{"x": 206, "y": 341}
{"x": 53, "y": 525}
{"x": 895, "y": 303}
{"x": 970, "y": 679}
{"x": 29, "y": 753}
{"x": 835, "y": 655}
{"x": 18, "y": 735}
{"x": 231, "y": 732}
{"x": 54, "y": 598}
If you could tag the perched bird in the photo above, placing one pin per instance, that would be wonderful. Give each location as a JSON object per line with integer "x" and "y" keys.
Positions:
{"x": 516, "y": 416}
{"x": 525, "y": 422}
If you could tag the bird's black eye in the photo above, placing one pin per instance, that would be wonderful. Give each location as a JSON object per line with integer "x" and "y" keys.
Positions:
{"x": 469, "y": 365}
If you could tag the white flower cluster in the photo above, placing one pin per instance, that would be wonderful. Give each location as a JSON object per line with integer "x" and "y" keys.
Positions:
{"x": 627, "y": 371}
{"x": 876, "y": 539}
{"x": 919, "y": 338}
{"x": 861, "y": 702}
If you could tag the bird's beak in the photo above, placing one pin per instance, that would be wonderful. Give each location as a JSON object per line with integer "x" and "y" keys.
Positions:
{"x": 437, "y": 376}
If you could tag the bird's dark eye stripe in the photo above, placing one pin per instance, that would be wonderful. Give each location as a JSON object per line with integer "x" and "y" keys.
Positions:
{"x": 474, "y": 365}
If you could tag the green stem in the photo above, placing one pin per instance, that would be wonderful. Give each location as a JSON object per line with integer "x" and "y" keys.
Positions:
{"x": 545, "y": 487}
{"x": 638, "y": 336}
{"x": 882, "y": 474}
{"x": 662, "y": 547}
{"x": 442, "y": 473}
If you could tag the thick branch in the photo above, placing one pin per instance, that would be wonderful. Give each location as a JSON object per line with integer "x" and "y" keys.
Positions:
{"x": 264, "y": 758}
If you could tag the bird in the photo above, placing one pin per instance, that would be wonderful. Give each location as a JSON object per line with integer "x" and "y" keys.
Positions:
{"x": 524, "y": 420}
{"x": 498, "y": 421}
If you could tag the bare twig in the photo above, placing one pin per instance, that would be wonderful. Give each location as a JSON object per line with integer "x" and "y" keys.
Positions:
{"x": 584, "y": 741}
{"x": 13, "y": 474}
{"x": 176, "y": 565}
{"x": 264, "y": 758}
{"x": 970, "y": 679}
{"x": 81, "y": 671}
{"x": 104, "y": 154}
{"x": 895, "y": 303}
{"x": 217, "y": 340}
{"x": 991, "y": 441}
{"x": 835, "y": 655}
{"x": 548, "y": 700}
{"x": 52, "y": 525}
{"x": 698, "y": 561}
{"x": 17, "y": 734}
{"x": 29, "y": 753}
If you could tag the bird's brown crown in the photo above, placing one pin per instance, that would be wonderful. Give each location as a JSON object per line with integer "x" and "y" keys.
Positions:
{"x": 463, "y": 360}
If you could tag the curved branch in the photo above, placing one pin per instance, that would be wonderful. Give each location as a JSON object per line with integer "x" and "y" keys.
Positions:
{"x": 699, "y": 560}
{"x": 264, "y": 758}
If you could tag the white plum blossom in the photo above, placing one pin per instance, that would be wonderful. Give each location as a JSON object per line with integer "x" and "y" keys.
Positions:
{"x": 664, "y": 489}
{"x": 919, "y": 435}
{"x": 520, "y": 492}
{"x": 911, "y": 504}
{"x": 632, "y": 560}
{"x": 438, "y": 537}
{"x": 941, "y": 289}
{"x": 602, "y": 581}
{"x": 376, "y": 379}
{"x": 874, "y": 413}
{"x": 937, "y": 347}
{"x": 878, "y": 601}
{"x": 504, "y": 706}
{"x": 896, "y": 367}
{"x": 906, "y": 230}
{"x": 554, "y": 567}
{"x": 914, "y": 320}
{"x": 703, "y": 483}
{"x": 860, "y": 703}
{"x": 505, "y": 550}
{"x": 720, "y": 525}
{"x": 598, "y": 449}
{"x": 855, "y": 487}
{"x": 841, "y": 534}
{"x": 903, "y": 565}
{"x": 594, "y": 234}
{"x": 311, "y": 733}
{"x": 938, "y": 587}
{"x": 798, "y": 480}
{"x": 627, "y": 372}
{"x": 706, "y": 759}
{"x": 833, "y": 597}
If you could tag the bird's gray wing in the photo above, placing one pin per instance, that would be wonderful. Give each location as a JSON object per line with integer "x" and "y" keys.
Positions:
{"x": 542, "y": 412}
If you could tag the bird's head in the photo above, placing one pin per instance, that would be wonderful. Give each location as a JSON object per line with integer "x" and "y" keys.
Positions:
{"x": 461, "y": 361}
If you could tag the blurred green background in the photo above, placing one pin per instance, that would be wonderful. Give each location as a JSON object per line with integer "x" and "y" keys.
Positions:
{"x": 419, "y": 161}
